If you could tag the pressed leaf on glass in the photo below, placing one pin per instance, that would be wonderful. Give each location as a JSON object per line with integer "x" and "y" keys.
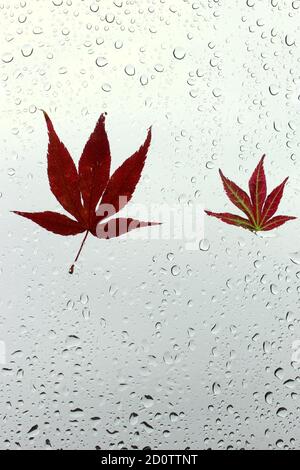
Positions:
{"x": 258, "y": 207}
{"x": 88, "y": 192}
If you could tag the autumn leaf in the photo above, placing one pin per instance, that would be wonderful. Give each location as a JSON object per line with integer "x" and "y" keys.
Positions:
{"x": 90, "y": 195}
{"x": 258, "y": 207}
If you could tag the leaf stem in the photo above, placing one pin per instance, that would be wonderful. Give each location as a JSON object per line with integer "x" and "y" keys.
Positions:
{"x": 71, "y": 270}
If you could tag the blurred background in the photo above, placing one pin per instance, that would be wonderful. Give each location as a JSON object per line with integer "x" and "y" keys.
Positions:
{"x": 149, "y": 344}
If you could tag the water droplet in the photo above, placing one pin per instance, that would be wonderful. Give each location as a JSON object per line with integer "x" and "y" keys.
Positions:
{"x": 274, "y": 289}
{"x": 269, "y": 398}
{"x": 179, "y": 53}
{"x": 147, "y": 401}
{"x": 281, "y": 412}
{"x": 144, "y": 80}
{"x": 27, "y": 50}
{"x": 106, "y": 87}
{"x": 175, "y": 270}
{"x": 216, "y": 388}
{"x": 274, "y": 90}
{"x": 159, "y": 68}
{"x": 7, "y": 58}
{"x": 133, "y": 419}
{"x": 204, "y": 244}
{"x": 84, "y": 299}
{"x": 101, "y": 61}
{"x": 130, "y": 70}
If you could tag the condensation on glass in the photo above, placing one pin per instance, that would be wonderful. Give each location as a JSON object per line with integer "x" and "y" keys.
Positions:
{"x": 151, "y": 343}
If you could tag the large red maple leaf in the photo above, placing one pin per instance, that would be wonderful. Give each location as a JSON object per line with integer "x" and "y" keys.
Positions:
{"x": 90, "y": 194}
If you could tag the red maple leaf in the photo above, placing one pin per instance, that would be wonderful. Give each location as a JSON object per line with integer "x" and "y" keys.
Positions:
{"x": 258, "y": 207}
{"x": 80, "y": 192}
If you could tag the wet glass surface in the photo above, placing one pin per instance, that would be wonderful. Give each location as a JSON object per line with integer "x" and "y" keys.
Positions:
{"x": 149, "y": 343}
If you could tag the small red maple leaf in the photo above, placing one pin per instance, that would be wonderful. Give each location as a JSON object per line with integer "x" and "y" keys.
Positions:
{"x": 258, "y": 207}
{"x": 80, "y": 192}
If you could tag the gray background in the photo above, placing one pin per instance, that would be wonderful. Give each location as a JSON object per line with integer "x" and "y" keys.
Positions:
{"x": 200, "y": 359}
